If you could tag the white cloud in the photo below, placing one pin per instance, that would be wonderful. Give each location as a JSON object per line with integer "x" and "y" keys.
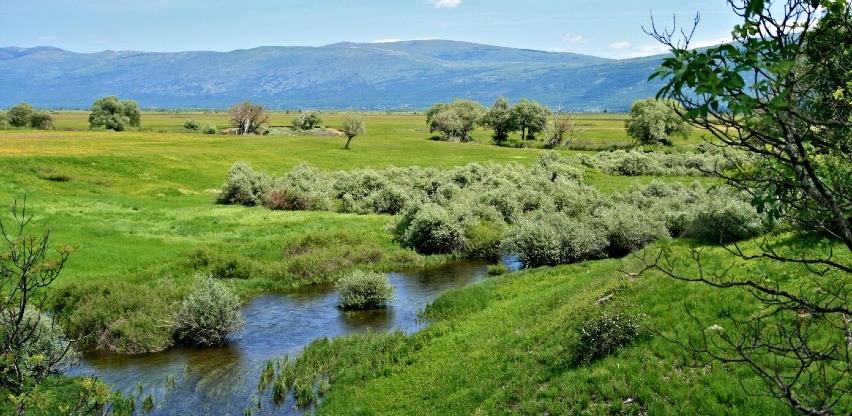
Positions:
{"x": 387, "y": 40}
{"x": 619, "y": 45}
{"x": 446, "y": 4}
{"x": 645, "y": 50}
{"x": 569, "y": 38}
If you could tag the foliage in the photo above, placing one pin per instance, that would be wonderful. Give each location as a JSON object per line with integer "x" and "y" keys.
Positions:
{"x": 247, "y": 118}
{"x": 497, "y": 269}
{"x": 110, "y": 113}
{"x": 41, "y": 120}
{"x": 353, "y": 126}
{"x": 191, "y": 125}
{"x": 501, "y": 119}
{"x": 244, "y": 186}
{"x": 654, "y": 121}
{"x": 604, "y": 334}
{"x": 705, "y": 162}
{"x": 561, "y": 131}
{"x": 209, "y": 128}
{"x": 4, "y": 120}
{"x": 630, "y": 228}
{"x": 554, "y": 238}
{"x": 20, "y": 115}
{"x": 454, "y": 120}
{"x": 208, "y": 314}
{"x": 32, "y": 346}
{"x": 364, "y": 290}
{"x": 724, "y": 220}
{"x": 307, "y": 120}
{"x": 778, "y": 92}
{"x": 430, "y": 229}
{"x": 531, "y": 118}
{"x": 303, "y": 188}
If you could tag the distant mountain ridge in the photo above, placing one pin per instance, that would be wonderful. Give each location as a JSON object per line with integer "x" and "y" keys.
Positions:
{"x": 394, "y": 75}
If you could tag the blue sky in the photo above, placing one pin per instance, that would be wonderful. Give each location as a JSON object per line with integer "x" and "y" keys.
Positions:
{"x": 610, "y": 28}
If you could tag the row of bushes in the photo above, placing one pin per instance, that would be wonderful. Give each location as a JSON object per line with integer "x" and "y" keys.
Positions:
{"x": 636, "y": 163}
{"x": 542, "y": 213}
{"x": 24, "y": 115}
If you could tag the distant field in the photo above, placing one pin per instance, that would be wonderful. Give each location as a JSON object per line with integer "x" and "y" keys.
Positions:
{"x": 598, "y": 128}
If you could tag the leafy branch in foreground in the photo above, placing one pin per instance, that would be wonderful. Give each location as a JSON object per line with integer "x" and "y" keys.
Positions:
{"x": 782, "y": 93}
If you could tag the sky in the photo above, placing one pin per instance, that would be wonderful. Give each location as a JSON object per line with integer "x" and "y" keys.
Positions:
{"x": 607, "y": 28}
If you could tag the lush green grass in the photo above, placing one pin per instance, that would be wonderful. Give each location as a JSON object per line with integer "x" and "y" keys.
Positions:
{"x": 505, "y": 347}
{"x": 138, "y": 207}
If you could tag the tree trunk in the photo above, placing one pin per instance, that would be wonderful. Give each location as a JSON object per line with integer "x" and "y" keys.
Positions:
{"x": 348, "y": 140}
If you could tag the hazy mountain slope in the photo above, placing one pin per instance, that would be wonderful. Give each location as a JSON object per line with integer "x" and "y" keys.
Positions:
{"x": 410, "y": 74}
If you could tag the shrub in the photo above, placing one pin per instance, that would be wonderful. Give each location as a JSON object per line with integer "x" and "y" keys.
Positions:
{"x": 497, "y": 269}
{"x": 208, "y": 314}
{"x": 549, "y": 239}
{"x": 244, "y": 186}
{"x": 229, "y": 267}
{"x": 602, "y": 335}
{"x": 110, "y": 113}
{"x": 48, "y": 350}
{"x": 654, "y": 121}
{"x": 307, "y": 120}
{"x": 116, "y": 316}
{"x": 364, "y": 290}
{"x": 20, "y": 115}
{"x": 430, "y": 229}
{"x": 303, "y": 188}
{"x": 209, "y": 129}
{"x": 4, "y": 120}
{"x": 41, "y": 120}
{"x": 191, "y": 125}
{"x": 484, "y": 239}
{"x": 724, "y": 218}
{"x": 629, "y": 228}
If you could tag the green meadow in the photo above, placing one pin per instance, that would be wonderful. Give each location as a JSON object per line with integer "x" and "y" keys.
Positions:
{"x": 139, "y": 210}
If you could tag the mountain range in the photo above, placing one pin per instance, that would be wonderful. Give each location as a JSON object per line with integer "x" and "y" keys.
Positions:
{"x": 394, "y": 75}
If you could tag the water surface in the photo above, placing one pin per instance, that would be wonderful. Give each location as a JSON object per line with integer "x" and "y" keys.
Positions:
{"x": 223, "y": 381}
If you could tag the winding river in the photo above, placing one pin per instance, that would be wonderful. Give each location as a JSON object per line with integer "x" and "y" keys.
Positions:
{"x": 223, "y": 381}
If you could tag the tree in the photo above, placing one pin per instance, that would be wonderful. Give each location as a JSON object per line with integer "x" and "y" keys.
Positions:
{"x": 247, "y": 118}
{"x": 20, "y": 115}
{"x": 653, "y": 121}
{"x": 454, "y": 120}
{"x": 307, "y": 120}
{"x": 353, "y": 125}
{"x": 561, "y": 131}
{"x": 779, "y": 93}
{"x": 110, "y": 113}
{"x": 4, "y": 120}
{"x": 501, "y": 119}
{"x": 31, "y": 343}
{"x": 41, "y": 120}
{"x": 531, "y": 118}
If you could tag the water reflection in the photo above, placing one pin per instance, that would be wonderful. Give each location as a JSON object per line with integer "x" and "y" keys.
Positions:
{"x": 222, "y": 381}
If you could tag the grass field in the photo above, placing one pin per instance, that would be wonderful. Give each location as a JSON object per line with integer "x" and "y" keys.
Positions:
{"x": 139, "y": 209}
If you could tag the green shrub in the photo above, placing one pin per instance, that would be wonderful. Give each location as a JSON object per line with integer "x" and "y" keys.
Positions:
{"x": 116, "y": 316}
{"x": 483, "y": 239}
{"x": 20, "y": 115}
{"x": 230, "y": 267}
{"x": 209, "y": 129}
{"x": 47, "y": 350}
{"x": 364, "y": 290}
{"x": 550, "y": 239}
{"x": 603, "y": 335}
{"x": 41, "y": 120}
{"x": 244, "y": 186}
{"x": 208, "y": 314}
{"x": 4, "y": 120}
{"x": 191, "y": 125}
{"x": 307, "y": 120}
{"x": 430, "y": 229}
{"x": 303, "y": 188}
{"x": 497, "y": 269}
{"x": 723, "y": 218}
{"x": 629, "y": 228}
{"x": 110, "y": 113}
